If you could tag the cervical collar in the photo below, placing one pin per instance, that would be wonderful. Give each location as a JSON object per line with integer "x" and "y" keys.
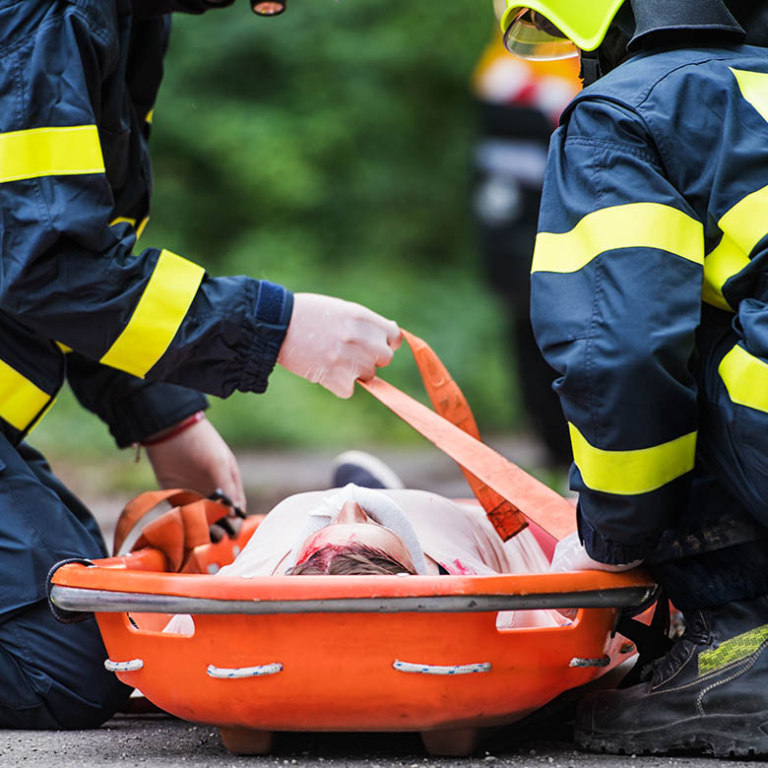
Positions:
{"x": 377, "y": 506}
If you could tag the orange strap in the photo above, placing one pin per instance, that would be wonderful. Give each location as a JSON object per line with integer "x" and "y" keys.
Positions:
{"x": 490, "y": 469}
{"x": 449, "y": 402}
{"x": 178, "y": 531}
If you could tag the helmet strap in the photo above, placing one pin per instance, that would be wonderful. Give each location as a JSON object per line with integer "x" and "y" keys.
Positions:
{"x": 591, "y": 69}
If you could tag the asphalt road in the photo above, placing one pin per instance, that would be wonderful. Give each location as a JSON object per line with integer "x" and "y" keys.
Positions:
{"x": 162, "y": 741}
{"x": 159, "y": 740}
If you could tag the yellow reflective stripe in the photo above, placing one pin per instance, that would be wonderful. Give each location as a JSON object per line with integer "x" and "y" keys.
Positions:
{"x": 142, "y": 226}
{"x": 732, "y": 650}
{"x": 41, "y": 415}
{"x": 743, "y": 227}
{"x": 150, "y": 116}
{"x": 637, "y": 225}
{"x": 722, "y": 264}
{"x": 754, "y": 88}
{"x": 158, "y": 315}
{"x": 64, "y": 348}
{"x": 746, "y": 378}
{"x": 50, "y": 152}
{"x": 627, "y": 473}
{"x": 746, "y": 223}
{"x": 122, "y": 220}
{"x": 21, "y": 402}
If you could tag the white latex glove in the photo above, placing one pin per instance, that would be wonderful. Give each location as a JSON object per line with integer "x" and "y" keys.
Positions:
{"x": 198, "y": 459}
{"x": 333, "y": 342}
{"x": 570, "y": 555}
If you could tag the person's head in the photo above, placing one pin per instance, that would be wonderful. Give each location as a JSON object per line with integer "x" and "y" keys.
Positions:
{"x": 603, "y": 32}
{"x": 354, "y": 544}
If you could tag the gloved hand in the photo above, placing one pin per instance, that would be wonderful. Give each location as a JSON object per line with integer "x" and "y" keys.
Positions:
{"x": 333, "y": 342}
{"x": 199, "y": 459}
{"x": 570, "y": 555}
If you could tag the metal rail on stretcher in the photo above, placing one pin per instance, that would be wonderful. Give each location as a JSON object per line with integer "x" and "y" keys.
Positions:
{"x": 359, "y": 653}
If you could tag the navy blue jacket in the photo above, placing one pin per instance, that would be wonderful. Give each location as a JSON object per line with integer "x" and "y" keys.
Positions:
{"x": 78, "y": 80}
{"x": 655, "y": 206}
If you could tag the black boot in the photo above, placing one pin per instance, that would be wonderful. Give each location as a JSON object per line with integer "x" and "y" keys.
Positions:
{"x": 710, "y": 692}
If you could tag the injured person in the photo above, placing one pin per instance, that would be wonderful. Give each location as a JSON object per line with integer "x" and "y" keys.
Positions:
{"x": 369, "y": 527}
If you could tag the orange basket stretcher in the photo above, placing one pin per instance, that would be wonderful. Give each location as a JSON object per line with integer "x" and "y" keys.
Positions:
{"x": 356, "y": 653}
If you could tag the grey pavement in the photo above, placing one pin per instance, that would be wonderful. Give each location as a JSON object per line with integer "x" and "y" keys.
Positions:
{"x": 129, "y": 740}
{"x": 161, "y": 741}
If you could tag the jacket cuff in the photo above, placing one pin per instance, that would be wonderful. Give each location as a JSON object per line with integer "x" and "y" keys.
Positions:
{"x": 153, "y": 409}
{"x": 612, "y": 552}
{"x": 267, "y": 322}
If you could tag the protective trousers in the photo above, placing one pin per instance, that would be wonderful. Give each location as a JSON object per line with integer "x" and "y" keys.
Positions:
{"x": 51, "y": 675}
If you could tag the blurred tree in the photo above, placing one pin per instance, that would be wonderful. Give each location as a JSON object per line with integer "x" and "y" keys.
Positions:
{"x": 329, "y": 150}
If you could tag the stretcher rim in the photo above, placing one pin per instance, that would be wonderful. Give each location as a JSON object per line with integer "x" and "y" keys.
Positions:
{"x": 103, "y": 601}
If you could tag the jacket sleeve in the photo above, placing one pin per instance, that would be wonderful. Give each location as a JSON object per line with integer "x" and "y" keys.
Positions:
{"x": 132, "y": 408}
{"x": 70, "y": 276}
{"x": 616, "y": 294}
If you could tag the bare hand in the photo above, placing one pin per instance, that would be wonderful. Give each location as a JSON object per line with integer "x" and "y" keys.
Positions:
{"x": 198, "y": 459}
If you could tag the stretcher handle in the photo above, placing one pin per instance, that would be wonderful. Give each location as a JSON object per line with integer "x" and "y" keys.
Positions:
{"x": 77, "y": 600}
{"x": 527, "y": 495}
{"x": 178, "y": 531}
{"x": 449, "y": 402}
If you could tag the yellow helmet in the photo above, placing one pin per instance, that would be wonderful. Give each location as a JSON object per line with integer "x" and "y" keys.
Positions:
{"x": 556, "y": 29}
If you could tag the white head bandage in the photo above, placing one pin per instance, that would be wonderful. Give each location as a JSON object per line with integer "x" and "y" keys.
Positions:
{"x": 377, "y": 506}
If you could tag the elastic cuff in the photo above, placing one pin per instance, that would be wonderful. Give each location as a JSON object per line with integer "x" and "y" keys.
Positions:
{"x": 613, "y": 552}
{"x": 154, "y": 409}
{"x": 272, "y": 309}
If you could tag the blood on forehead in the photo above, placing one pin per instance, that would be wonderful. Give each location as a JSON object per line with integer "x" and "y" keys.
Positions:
{"x": 325, "y": 552}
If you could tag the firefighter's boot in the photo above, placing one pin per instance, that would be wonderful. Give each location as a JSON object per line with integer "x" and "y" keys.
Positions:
{"x": 709, "y": 692}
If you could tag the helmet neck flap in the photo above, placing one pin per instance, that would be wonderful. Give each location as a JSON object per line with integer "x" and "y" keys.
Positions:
{"x": 643, "y": 24}
{"x": 661, "y": 22}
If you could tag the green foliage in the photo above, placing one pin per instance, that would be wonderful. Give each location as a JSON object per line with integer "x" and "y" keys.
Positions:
{"x": 329, "y": 150}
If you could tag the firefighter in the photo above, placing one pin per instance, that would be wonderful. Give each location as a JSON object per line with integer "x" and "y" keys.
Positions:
{"x": 129, "y": 329}
{"x": 649, "y": 298}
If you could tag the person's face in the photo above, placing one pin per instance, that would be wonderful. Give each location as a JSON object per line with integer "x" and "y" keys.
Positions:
{"x": 353, "y": 526}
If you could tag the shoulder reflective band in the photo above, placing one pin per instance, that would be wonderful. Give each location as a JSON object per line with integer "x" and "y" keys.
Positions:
{"x": 746, "y": 379}
{"x": 50, "y": 152}
{"x": 157, "y": 316}
{"x": 754, "y": 88}
{"x": 636, "y": 225}
{"x": 21, "y": 402}
{"x": 628, "y": 473}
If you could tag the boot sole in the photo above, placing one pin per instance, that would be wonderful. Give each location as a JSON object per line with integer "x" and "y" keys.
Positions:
{"x": 722, "y": 736}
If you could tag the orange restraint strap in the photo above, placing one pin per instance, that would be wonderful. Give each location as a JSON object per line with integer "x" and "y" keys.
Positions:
{"x": 178, "y": 531}
{"x": 505, "y": 491}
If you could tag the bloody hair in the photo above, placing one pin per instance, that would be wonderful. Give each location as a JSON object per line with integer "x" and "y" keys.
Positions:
{"x": 351, "y": 560}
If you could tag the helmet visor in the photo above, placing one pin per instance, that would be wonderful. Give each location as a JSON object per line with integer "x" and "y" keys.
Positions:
{"x": 532, "y": 36}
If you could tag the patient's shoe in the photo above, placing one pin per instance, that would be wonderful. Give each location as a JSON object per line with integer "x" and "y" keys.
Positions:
{"x": 364, "y": 470}
{"x": 709, "y": 692}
